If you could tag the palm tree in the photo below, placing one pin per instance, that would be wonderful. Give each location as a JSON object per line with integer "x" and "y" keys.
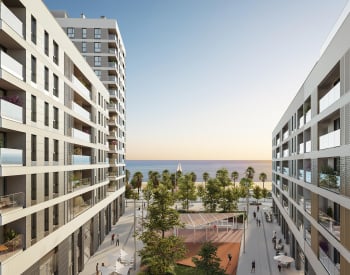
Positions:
{"x": 205, "y": 177}
{"x": 137, "y": 178}
{"x": 249, "y": 173}
{"x": 263, "y": 177}
{"x": 193, "y": 176}
{"x": 234, "y": 177}
{"x": 127, "y": 175}
{"x": 154, "y": 176}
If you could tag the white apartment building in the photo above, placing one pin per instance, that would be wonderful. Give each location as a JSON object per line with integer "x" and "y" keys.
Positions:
{"x": 100, "y": 42}
{"x": 56, "y": 200}
{"x": 311, "y": 162}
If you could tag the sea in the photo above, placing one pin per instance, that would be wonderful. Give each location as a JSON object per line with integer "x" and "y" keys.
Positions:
{"x": 199, "y": 167}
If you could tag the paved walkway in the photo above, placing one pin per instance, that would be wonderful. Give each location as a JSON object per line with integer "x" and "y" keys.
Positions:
{"x": 259, "y": 246}
{"x": 125, "y": 228}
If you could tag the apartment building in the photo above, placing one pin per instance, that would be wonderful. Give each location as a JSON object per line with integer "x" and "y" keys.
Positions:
{"x": 56, "y": 200}
{"x": 311, "y": 162}
{"x": 100, "y": 42}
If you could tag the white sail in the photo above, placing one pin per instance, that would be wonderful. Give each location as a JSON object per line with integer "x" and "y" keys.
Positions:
{"x": 179, "y": 169}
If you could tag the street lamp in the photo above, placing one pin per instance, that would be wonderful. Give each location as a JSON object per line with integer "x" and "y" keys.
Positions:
{"x": 135, "y": 233}
{"x": 244, "y": 230}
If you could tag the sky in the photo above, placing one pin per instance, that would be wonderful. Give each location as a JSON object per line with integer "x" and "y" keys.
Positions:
{"x": 210, "y": 79}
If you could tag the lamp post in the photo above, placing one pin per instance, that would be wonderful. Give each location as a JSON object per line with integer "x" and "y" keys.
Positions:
{"x": 135, "y": 233}
{"x": 244, "y": 230}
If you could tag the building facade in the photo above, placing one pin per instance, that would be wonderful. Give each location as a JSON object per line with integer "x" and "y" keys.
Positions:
{"x": 56, "y": 199}
{"x": 100, "y": 42}
{"x": 311, "y": 162}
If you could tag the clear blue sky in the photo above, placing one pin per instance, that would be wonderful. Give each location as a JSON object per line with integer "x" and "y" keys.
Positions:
{"x": 209, "y": 79}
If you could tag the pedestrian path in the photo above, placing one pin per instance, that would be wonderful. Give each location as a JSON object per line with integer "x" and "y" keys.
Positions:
{"x": 125, "y": 228}
{"x": 259, "y": 246}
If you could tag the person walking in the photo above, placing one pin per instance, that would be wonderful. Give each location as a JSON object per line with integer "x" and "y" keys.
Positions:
{"x": 229, "y": 257}
{"x": 117, "y": 240}
{"x": 259, "y": 223}
{"x": 279, "y": 267}
{"x": 112, "y": 238}
{"x": 253, "y": 267}
{"x": 97, "y": 270}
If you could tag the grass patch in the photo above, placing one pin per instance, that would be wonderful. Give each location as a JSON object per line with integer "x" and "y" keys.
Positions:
{"x": 186, "y": 270}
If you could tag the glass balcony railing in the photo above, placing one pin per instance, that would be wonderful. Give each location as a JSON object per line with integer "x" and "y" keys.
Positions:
{"x": 301, "y": 174}
{"x": 113, "y": 93}
{"x": 278, "y": 141}
{"x": 82, "y": 89}
{"x": 11, "y": 65}
{"x": 308, "y": 146}
{"x": 80, "y": 205}
{"x": 112, "y": 106}
{"x": 330, "y": 181}
{"x": 7, "y": 16}
{"x": 329, "y": 223}
{"x": 81, "y": 135}
{"x": 278, "y": 182}
{"x": 112, "y": 78}
{"x": 11, "y": 111}
{"x": 308, "y": 206}
{"x": 328, "y": 99}
{"x": 308, "y": 176}
{"x": 301, "y": 121}
{"x": 308, "y": 235}
{"x": 308, "y": 116}
{"x": 285, "y": 205}
{"x": 285, "y": 187}
{"x": 112, "y": 37}
{"x": 112, "y": 50}
{"x": 330, "y": 140}
{"x": 11, "y": 247}
{"x": 300, "y": 200}
{"x": 278, "y": 155}
{"x": 285, "y": 135}
{"x": 285, "y": 171}
{"x": 112, "y": 64}
{"x": 81, "y": 111}
{"x": 328, "y": 264}
{"x": 78, "y": 183}
{"x": 301, "y": 148}
{"x": 278, "y": 169}
{"x": 10, "y": 202}
{"x": 285, "y": 153}
{"x": 11, "y": 157}
{"x": 81, "y": 159}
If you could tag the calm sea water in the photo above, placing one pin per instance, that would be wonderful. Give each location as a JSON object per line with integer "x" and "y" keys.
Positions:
{"x": 200, "y": 166}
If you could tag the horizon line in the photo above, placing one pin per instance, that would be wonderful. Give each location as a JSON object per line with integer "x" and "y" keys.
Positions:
{"x": 202, "y": 159}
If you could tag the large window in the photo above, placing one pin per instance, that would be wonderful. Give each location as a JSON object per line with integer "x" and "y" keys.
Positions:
{"x": 55, "y": 117}
{"x": 83, "y": 47}
{"x": 46, "y": 184}
{"x": 97, "y": 47}
{"x": 97, "y": 33}
{"x": 46, "y": 43}
{"x": 70, "y": 32}
{"x": 33, "y": 222}
{"x": 46, "y": 114}
{"x": 33, "y": 29}
{"x": 55, "y": 150}
{"x": 33, "y": 69}
{"x": 55, "y": 85}
{"x": 33, "y": 106}
{"x": 55, "y": 52}
{"x": 98, "y": 73}
{"x": 33, "y": 187}
{"x": 83, "y": 33}
{"x": 46, "y": 78}
{"x": 46, "y": 149}
{"x": 33, "y": 148}
{"x": 97, "y": 61}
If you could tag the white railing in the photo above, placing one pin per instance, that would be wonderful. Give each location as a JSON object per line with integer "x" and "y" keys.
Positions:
{"x": 11, "y": 19}
{"x": 332, "y": 96}
{"x": 285, "y": 153}
{"x": 301, "y": 148}
{"x": 10, "y": 65}
{"x": 330, "y": 140}
{"x": 11, "y": 111}
{"x": 308, "y": 146}
{"x": 81, "y": 87}
{"x": 81, "y": 135}
{"x": 308, "y": 116}
{"x": 328, "y": 263}
{"x": 11, "y": 156}
{"x": 81, "y": 111}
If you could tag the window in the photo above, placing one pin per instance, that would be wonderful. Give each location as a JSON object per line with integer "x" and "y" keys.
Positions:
{"x": 46, "y": 78}
{"x": 55, "y": 215}
{"x": 46, "y": 114}
{"x": 55, "y": 150}
{"x": 55, "y": 85}
{"x": 97, "y": 61}
{"x": 46, "y": 149}
{"x": 83, "y": 33}
{"x": 33, "y": 67}
{"x": 55, "y": 52}
{"x": 33, "y": 104}
{"x": 46, "y": 43}
{"x": 46, "y": 222}
{"x": 98, "y": 73}
{"x": 55, "y": 117}
{"x": 33, "y": 147}
{"x": 33, "y": 225}
{"x": 83, "y": 47}
{"x": 70, "y": 32}
{"x": 46, "y": 184}
{"x": 97, "y": 47}
{"x": 97, "y": 33}
{"x": 33, "y": 187}
{"x": 55, "y": 183}
{"x": 33, "y": 29}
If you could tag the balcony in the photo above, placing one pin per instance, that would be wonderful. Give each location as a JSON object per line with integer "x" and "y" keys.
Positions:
{"x": 328, "y": 99}
{"x": 300, "y": 200}
{"x": 328, "y": 264}
{"x": 112, "y": 50}
{"x": 11, "y": 157}
{"x": 278, "y": 183}
{"x": 330, "y": 181}
{"x": 112, "y": 78}
{"x": 79, "y": 183}
{"x": 308, "y": 176}
{"x": 308, "y": 146}
{"x": 330, "y": 140}
{"x": 11, "y": 65}
{"x": 112, "y": 64}
{"x": 11, "y": 202}
{"x": 308, "y": 235}
{"x": 285, "y": 153}
{"x": 331, "y": 225}
{"x": 11, "y": 111}
{"x": 112, "y": 37}
{"x": 113, "y": 93}
{"x": 80, "y": 205}
{"x": 285, "y": 135}
{"x": 278, "y": 169}
{"x": 301, "y": 174}
{"x": 278, "y": 155}
{"x": 10, "y": 19}
{"x": 285, "y": 205}
{"x": 301, "y": 148}
{"x": 81, "y": 135}
{"x": 11, "y": 247}
{"x": 285, "y": 187}
{"x": 81, "y": 111}
{"x": 308, "y": 116}
{"x": 81, "y": 88}
{"x": 112, "y": 106}
{"x": 285, "y": 171}
{"x": 308, "y": 206}
{"x": 81, "y": 159}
